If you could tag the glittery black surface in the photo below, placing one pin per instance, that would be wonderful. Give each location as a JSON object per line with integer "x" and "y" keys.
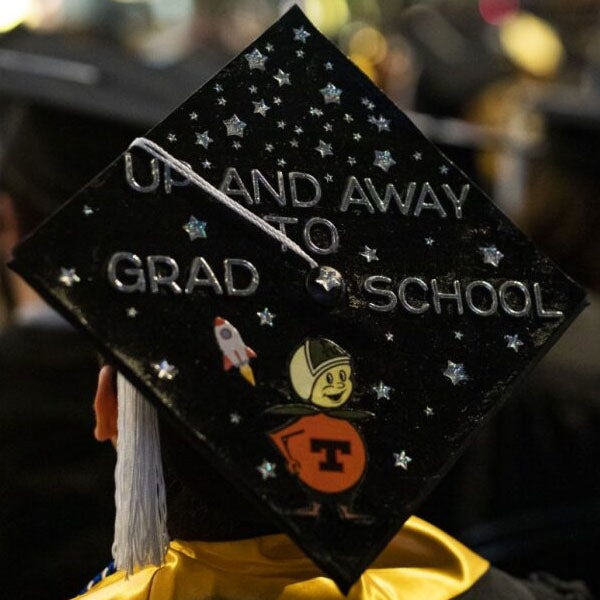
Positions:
{"x": 426, "y": 416}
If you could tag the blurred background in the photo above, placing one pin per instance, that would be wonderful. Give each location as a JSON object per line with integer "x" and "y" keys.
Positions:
{"x": 508, "y": 89}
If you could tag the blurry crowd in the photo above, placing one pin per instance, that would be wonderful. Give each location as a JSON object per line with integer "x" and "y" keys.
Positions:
{"x": 508, "y": 89}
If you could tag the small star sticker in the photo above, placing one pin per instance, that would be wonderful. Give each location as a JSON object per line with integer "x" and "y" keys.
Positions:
{"x": 195, "y": 228}
{"x": 266, "y": 317}
{"x": 351, "y": 160}
{"x": 298, "y": 130}
{"x": 235, "y": 419}
{"x": 261, "y": 108}
{"x": 328, "y": 178}
{"x": 513, "y": 342}
{"x": 300, "y": 53}
{"x": 203, "y": 139}
{"x": 366, "y": 102}
{"x": 269, "y": 147}
{"x": 218, "y": 87}
{"x": 281, "y": 124}
{"x": 383, "y": 391}
{"x": 193, "y": 116}
{"x": 253, "y": 89}
{"x": 459, "y": 335}
{"x": 256, "y": 60}
{"x": 132, "y": 312}
{"x": 165, "y": 370}
{"x": 417, "y": 156}
{"x": 324, "y": 149}
{"x": 429, "y": 241}
{"x": 294, "y": 143}
{"x": 236, "y": 145}
{"x": 206, "y": 164}
{"x": 381, "y": 123}
{"x": 328, "y": 66}
{"x": 281, "y": 162}
{"x": 356, "y": 137}
{"x": 491, "y": 255}
{"x": 315, "y": 112}
{"x": 87, "y": 211}
{"x": 277, "y": 100}
{"x": 444, "y": 170}
{"x": 370, "y": 254}
{"x": 348, "y": 118}
{"x": 301, "y": 35}
{"x": 328, "y": 127}
{"x": 455, "y": 372}
{"x": 329, "y": 279}
{"x": 282, "y": 78}
{"x": 234, "y": 126}
{"x": 267, "y": 470}
{"x": 68, "y": 277}
{"x": 429, "y": 411}
{"x": 384, "y": 160}
{"x": 171, "y": 137}
{"x": 331, "y": 94}
{"x": 269, "y": 48}
{"x": 221, "y": 101}
{"x": 401, "y": 460}
{"x": 389, "y": 336}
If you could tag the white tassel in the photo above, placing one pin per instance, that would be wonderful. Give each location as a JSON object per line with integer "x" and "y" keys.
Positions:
{"x": 141, "y": 537}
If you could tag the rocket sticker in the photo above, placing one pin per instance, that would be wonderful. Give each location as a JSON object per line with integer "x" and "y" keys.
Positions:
{"x": 235, "y": 352}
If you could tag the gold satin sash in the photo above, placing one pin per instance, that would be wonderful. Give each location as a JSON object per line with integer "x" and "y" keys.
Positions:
{"x": 420, "y": 563}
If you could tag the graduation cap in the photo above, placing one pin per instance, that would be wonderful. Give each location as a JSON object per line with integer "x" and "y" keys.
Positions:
{"x": 325, "y": 304}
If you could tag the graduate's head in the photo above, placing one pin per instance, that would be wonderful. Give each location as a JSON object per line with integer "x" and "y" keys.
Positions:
{"x": 321, "y": 373}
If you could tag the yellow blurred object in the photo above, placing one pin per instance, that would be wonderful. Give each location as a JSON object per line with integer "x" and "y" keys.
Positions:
{"x": 368, "y": 42}
{"x": 247, "y": 373}
{"x": 365, "y": 64}
{"x": 329, "y": 16}
{"x": 532, "y": 44}
{"x": 12, "y": 13}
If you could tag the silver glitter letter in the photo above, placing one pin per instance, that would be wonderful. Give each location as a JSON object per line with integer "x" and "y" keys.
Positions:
{"x": 335, "y": 238}
{"x": 210, "y": 280}
{"x": 130, "y": 178}
{"x": 482, "y": 312}
{"x": 296, "y": 202}
{"x": 541, "y": 311}
{"x": 457, "y": 202}
{"x": 165, "y": 279}
{"x": 282, "y": 222}
{"x": 411, "y": 308}
{"x": 403, "y": 202}
{"x": 251, "y": 288}
{"x": 455, "y": 295}
{"x": 369, "y": 286}
{"x": 258, "y": 178}
{"x": 232, "y": 175}
{"x": 348, "y": 198}
{"x": 504, "y": 294}
{"x": 435, "y": 204}
{"x": 139, "y": 285}
{"x": 170, "y": 182}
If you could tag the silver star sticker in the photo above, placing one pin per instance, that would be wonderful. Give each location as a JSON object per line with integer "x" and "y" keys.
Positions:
{"x": 171, "y": 137}
{"x": 417, "y": 156}
{"x": 282, "y": 78}
{"x": 236, "y": 145}
{"x": 269, "y": 48}
{"x": 356, "y": 136}
{"x": 298, "y": 130}
{"x": 383, "y": 391}
{"x": 459, "y": 335}
{"x": 443, "y": 169}
{"x": 429, "y": 411}
{"x": 328, "y": 66}
{"x": 351, "y": 160}
{"x": 315, "y": 112}
{"x": 513, "y": 342}
{"x": 328, "y": 127}
{"x": 384, "y": 160}
{"x": 429, "y": 241}
{"x": 381, "y": 123}
{"x": 132, "y": 312}
{"x": 218, "y": 87}
{"x": 88, "y": 211}
{"x": 203, "y": 139}
{"x": 329, "y": 279}
{"x": 193, "y": 116}
{"x": 370, "y": 254}
{"x": 221, "y": 101}
{"x": 324, "y": 149}
{"x": 300, "y": 53}
{"x": 206, "y": 164}
{"x": 235, "y": 126}
{"x": 281, "y": 162}
{"x": 366, "y": 102}
{"x": 331, "y": 94}
{"x": 455, "y": 372}
{"x": 348, "y": 118}
{"x": 301, "y": 35}
{"x": 165, "y": 370}
{"x": 294, "y": 143}
{"x": 328, "y": 178}
{"x": 253, "y": 89}
{"x": 277, "y": 100}
{"x": 267, "y": 469}
{"x": 389, "y": 336}
{"x": 256, "y": 60}
{"x": 401, "y": 460}
{"x": 261, "y": 108}
{"x": 68, "y": 277}
{"x": 234, "y": 418}
{"x": 281, "y": 124}
{"x": 491, "y": 255}
{"x": 195, "y": 228}
{"x": 269, "y": 147}
{"x": 266, "y": 317}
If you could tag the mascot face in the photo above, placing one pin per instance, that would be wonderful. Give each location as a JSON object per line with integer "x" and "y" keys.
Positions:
{"x": 333, "y": 387}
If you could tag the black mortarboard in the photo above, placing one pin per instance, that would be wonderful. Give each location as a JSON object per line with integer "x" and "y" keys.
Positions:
{"x": 335, "y": 402}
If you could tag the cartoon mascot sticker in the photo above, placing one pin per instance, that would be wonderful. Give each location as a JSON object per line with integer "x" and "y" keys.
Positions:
{"x": 322, "y": 445}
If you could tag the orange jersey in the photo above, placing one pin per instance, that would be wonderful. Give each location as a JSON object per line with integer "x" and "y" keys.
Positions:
{"x": 326, "y": 453}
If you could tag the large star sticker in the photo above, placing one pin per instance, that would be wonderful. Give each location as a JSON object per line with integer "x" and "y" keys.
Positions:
{"x": 384, "y": 160}
{"x": 195, "y": 228}
{"x": 324, "y": 149}
{"x": 455, "y": 372}
{"x": 203, "y": 139}
{"x": 235, "y": 126}
{"x": 256, "y": 60}
{"x": 266, "y": 317}
{"x": 329, "y": 279}
{"x": 331, "y": 94}
{"x": 491, "y": 255}
{"x": 383, "y": 391}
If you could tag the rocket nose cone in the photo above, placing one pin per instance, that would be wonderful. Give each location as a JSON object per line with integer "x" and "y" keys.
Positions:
{"x": 219, "y": 321}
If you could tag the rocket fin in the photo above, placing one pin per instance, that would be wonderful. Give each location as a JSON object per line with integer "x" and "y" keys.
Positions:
{"x": 227, "y": 364}
{"x": 250, "y": 353}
